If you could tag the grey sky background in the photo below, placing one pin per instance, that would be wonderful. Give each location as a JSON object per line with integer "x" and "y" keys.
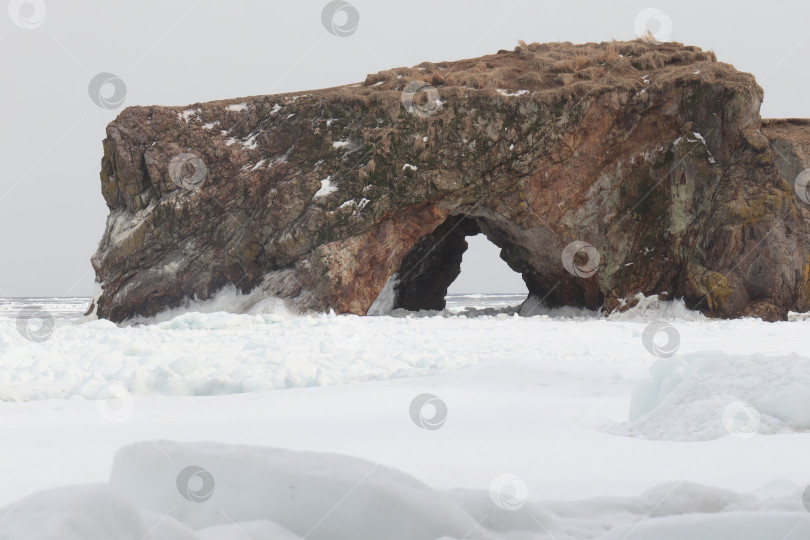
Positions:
{"x": 178, "y": 52}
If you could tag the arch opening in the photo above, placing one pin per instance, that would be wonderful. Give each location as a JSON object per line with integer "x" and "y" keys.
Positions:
{"x": 435, "y": 262}
{"x": 432, "y": 264}
{"x": 483, "y": 271}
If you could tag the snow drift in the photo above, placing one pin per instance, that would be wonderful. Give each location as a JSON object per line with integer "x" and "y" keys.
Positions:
{"x": 710, "y": 394}
{"x": 263, "y": 493}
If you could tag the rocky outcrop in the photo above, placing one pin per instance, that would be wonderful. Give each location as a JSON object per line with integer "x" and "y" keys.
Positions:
{"x": 601, "y": 171}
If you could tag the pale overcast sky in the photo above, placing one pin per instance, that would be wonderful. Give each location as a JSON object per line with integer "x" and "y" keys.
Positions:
{"x": 176, "y": 52}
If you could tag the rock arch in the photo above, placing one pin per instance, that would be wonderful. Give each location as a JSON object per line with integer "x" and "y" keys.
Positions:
{"x": 652, "y": 154}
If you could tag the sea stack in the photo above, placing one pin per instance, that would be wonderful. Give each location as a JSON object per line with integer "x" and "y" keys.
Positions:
{"x": 601, "y": 171}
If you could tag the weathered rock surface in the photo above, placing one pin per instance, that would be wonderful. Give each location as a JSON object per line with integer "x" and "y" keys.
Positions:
{"x": 652, "y": 158}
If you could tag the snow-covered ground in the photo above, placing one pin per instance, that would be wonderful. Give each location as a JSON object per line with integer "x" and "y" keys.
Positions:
{"x": 472, "y": 423}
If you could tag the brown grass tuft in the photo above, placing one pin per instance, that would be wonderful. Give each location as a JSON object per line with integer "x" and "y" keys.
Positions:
{"x": 555, "y": 71}
{"x": 375, "y": 78}
{"x": 564, "y": 79}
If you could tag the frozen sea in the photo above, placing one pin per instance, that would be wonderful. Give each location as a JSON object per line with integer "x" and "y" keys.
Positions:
{"x": 475, "y": 422}
{"x": 62, "y": 308}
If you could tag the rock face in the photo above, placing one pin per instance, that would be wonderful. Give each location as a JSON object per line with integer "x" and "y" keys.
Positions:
{"x": 600, "y": 170}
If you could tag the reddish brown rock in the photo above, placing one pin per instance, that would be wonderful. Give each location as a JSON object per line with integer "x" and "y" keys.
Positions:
{"x": 601, "y": 171}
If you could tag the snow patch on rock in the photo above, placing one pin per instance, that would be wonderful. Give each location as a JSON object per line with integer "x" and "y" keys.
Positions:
{"x": 385, "y": 301}
{"x": 327, "y": 188}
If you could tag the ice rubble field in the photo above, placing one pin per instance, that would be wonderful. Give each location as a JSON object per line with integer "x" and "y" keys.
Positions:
{"x": 559, "y": 426}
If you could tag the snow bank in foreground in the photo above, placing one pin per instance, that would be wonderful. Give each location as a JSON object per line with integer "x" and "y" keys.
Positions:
{"x": 708, "y": 395}
{"x": 320, "y": 496}
{"x": 206, "y": 491}
{"x": 729, "y": 526}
